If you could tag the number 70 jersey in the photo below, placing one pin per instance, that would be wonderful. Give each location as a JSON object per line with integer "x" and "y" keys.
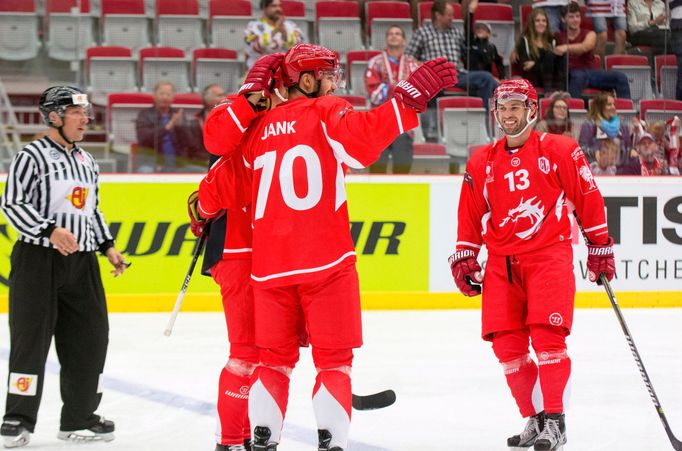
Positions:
{"x": 299, "y": 153}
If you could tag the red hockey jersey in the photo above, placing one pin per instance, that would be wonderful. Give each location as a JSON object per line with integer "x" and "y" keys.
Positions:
{"x": 522, "y": 201}
{"x": 299, "y": 152}
{"x": 227, "y": 186}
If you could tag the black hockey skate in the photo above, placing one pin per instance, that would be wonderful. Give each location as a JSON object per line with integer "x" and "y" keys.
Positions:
{"x": 553, "y": 436}
{"x": 102, "y": 431}
{"x": 261, "y": 436}
{"x": 14, "y": 434}
{"x": 526, "y": 439}
{"x": 324, "y": 438}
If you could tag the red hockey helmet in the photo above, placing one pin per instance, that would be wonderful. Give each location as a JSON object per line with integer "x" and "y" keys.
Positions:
{"x": 515, "y": 89}
{"x": 308, "y": 58}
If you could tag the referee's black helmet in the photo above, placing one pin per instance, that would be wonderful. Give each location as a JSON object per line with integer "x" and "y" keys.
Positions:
{"x": 59, "y": 98}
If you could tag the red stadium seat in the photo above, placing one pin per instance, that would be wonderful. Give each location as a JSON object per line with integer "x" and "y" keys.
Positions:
{"x": 18, "y": 30}
{"x": 125, "y": 23}
{"x": 381, "y": 15}
{"x": 356, "y": 64}
{"x": 462, "y": 122}
{"x": 227, "y": 20}
{"x": 666, "y": 75}
{"x": 636, "y": 68}
{"x": 293, "y": 8}
{"x": 110, "y": 69}
{"x": 178, "y": 24}
{"x": 524, "y": 11}
{"x": 122, "y": 112}
{"x": 68, "y": 35}
{"x": 65, "y": 6}
{"x": 164, "y": 63}
{"x": 659, "y": 109}
{"x": 337, "y": 25}
{"x": 216, "y": 66}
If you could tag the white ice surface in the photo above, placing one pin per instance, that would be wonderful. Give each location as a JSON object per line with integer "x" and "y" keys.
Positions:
{"x": 451, "y": 394}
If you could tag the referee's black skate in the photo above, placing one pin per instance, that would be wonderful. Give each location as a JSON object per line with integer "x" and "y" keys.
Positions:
{"x": 103, "y": 431}
{"x": 259, "y": 441}
{"x": 526, "y": 439}
{"x": 553, "y": 436}
{"x": 324, "y": 438}
{"x": 14, "y": 434}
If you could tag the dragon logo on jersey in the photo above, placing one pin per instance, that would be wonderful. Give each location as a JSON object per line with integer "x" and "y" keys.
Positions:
{"x": 78, "y": 196}
{"x": 526, "y": 209}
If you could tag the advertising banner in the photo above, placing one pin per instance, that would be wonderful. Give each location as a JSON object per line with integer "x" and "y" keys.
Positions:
{"x": 404, "y": 229}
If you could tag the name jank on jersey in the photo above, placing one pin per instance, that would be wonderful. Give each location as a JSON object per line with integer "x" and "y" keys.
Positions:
{"x": 278, "y": 128}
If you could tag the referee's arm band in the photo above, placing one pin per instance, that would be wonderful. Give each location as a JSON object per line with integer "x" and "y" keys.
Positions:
{"x": 105, "y": 246}
{"x": 47, "y": 232}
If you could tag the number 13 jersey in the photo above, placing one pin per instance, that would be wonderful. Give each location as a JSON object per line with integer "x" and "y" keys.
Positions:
{"x": 299, "y": 153}
{"x": 521, "y": 201}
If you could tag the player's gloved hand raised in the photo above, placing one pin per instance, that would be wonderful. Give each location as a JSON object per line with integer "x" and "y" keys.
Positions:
{"x": 426, "y": 82}
{"x": 466, "y": 271}
{"x": 196, "y": 222}
{"x": 261, "y": 77}
{"x": 600, "y": 260}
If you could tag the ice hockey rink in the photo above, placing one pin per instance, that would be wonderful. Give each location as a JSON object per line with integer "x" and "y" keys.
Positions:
{"x": 451, "y": 394}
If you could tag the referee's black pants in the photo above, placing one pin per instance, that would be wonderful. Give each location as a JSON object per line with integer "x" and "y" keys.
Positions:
{"x": 50, "y": 294}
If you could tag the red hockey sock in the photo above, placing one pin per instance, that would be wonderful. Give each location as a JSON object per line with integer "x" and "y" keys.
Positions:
{"x": 332, "y": 398}
{"x": 511, "y": 349}
{"x": 268, "y": 399}
{"x": 554, "y": 366}
{"x": 233, "y": 399}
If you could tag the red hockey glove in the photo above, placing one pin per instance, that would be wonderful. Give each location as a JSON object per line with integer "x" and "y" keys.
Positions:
{"x": 466, "y": 271}
{"x": 196, "y": 222}
{"x": 261, "y": 77}
{"x": 426, "y": 82}
{"x": 600, "y": 260}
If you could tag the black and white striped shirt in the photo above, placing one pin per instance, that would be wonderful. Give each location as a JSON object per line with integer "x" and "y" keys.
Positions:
{"x": 49, "y": 186}
{"x": 429, "y": 42}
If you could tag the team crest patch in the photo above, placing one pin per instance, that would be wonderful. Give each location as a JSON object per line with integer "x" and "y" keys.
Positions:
{"x": 515, "y": 161}
{"x": 555, "y": 319}
{"x": 23, "y": 384}
{"x": 543, "y": 164}
{"x": 489, "y": 176}
{"x": 54, "y": 154}
{"x": 78, "y": 197}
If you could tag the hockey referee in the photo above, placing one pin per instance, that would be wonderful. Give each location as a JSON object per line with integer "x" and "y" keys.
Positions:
{"x": 55, "y": 288}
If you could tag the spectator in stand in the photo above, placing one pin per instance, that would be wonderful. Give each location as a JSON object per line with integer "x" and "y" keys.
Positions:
{"x": 612, "y": 11}
{"x": 644, "y": 161}
{"x": 161, "y": 133}
{"x": 604, "y": 122}
{"x": 535, "y": 56}
{"x": 483, "y": 54}
{"x": 552, "y": 9}
{"x": 384, "y": 71}
{"x": 196, "y": 152}
{"x": 558, "y": 118}
{"x": 578, "y": 46}
{"x": 648, "y": 25}
{"x": 440, "y": 38}
{"x": 606, "y": 156}
{"x": 272, "y": 33}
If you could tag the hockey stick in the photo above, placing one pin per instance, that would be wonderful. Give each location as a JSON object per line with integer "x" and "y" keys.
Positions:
{"x": 677, "y": 445}
{"x": 181, "y": 295}
{"x": 375, "y": 401}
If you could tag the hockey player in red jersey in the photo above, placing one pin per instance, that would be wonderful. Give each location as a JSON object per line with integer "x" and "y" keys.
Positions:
{"x": 224, "y": 196}
{"x": 303, "y": 255}
{"x": 517, "y": 199}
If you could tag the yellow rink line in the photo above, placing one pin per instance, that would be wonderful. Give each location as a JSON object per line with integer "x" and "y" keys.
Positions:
{"x": 210, "y": 302}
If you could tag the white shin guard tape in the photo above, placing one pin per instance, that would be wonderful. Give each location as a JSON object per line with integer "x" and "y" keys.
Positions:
{"x": 331, "y": 415}
{"x": 264, "y": 411}
{"x": 240, "y": 367}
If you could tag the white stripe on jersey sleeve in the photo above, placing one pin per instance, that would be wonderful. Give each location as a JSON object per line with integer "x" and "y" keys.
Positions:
{"x": 340, "y": 151}
{"x": 398, "y": 118}
{"x": 236, "y": 120}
